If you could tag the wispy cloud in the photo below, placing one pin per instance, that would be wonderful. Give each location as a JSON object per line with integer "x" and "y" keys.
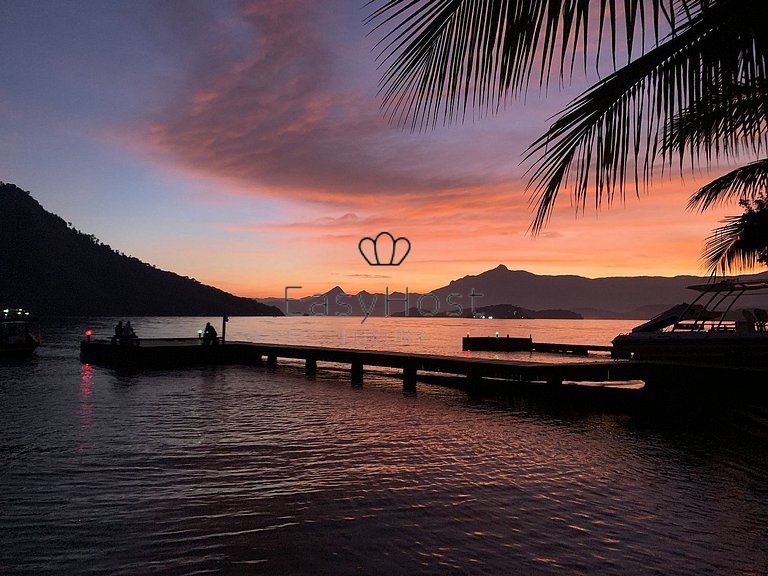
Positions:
{"x": 287, "y": 121}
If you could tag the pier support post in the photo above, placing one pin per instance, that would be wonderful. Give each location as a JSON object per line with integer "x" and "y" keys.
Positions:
{"x": 271, "y": 361}
{"x": 310, "y": 368}
{"x": 474, "y": 378}
{"x": 474, "y": 385}
{"x": 409, "y": 378}
{"x": 357, "y": 374}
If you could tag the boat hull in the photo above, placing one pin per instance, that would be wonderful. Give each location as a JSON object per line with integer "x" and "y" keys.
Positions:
{"x": 704, "y": 347}
{"x": 17, "y": 351}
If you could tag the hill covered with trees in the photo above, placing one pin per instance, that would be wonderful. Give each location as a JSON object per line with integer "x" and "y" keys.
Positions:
{"x": 52, "y": 269}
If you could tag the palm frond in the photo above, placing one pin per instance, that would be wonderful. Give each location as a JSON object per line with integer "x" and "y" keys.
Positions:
{"x": 612, "y": 133}
{"x": 743, "y": 183}
{"x": 442, "y": 57}
{"x": 697, "y": 89}
{"x": 721, "y": 122}
{"x": 739, "y": 244}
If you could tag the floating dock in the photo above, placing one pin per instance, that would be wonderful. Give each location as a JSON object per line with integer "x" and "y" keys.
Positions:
{"x": 507, "y": 344}
{"x": 475, "y": 373}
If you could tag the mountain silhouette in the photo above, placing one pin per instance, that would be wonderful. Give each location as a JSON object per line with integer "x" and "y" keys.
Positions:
{"x": 629, "y": 297}
{"x": 505, "y": 291}
{"x": 52, "y": 269}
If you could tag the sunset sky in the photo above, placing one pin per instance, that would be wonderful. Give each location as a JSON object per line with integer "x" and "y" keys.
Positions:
{"x": 241, "y": 143}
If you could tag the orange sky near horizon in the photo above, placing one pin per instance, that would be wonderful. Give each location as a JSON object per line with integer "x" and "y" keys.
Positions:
{"x": 651, "y": 235}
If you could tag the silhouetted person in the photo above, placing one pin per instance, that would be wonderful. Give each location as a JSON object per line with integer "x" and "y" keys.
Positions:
{"x": 209, "y": 334}
{"x": 751, "y": 320}
{"x": 129, "y": 336}
{"x": 761, "y": 317}
{"x": 118, "y": 337}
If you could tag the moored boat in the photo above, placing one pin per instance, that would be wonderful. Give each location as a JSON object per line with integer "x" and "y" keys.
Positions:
{"x": 18, "y": 333}
{"x": 709, "y": 330}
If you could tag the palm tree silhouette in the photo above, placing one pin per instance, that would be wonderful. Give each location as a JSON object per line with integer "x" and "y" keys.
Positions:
{"x": 693, "y": 90}
{"x": 742, "y": 241}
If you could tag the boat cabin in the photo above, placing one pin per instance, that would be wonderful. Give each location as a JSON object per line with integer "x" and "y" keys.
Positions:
{"x": 19, "y": 331}
{"x": 711, "y": 329}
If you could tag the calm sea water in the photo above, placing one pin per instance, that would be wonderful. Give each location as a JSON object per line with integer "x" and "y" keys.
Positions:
{"x": 237, "y": 470}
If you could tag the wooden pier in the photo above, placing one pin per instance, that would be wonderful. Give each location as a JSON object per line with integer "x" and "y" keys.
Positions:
{"x": 185, "y": 352}
{"x": 476, "y": 373}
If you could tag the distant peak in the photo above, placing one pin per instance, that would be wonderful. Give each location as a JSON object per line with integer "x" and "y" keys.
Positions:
{"x": 500, "y": 269}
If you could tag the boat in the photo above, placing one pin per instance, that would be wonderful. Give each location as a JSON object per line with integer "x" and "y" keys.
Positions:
{"x": 710, "y": 330}
{"x": 18, "y": 333}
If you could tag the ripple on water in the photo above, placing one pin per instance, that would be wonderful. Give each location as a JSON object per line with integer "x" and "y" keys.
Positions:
{"x": 243, "y": 471}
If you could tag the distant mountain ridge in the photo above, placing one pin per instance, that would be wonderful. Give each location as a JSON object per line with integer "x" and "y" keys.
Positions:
{"x": 591, "y": 297}
{"x": 52, "y": 269}
{"x": 635, "y": 298}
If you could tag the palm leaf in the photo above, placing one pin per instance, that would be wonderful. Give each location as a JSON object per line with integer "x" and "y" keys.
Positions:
{"x": 739, "y": 244}
{"x": 442, "y": 57}
{"x": 721, "y": 122}
{"x": 613, "y": 132}
{"x": 744, "y": 183}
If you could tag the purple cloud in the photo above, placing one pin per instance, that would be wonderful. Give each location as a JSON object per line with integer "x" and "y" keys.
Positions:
{"x": 298, "y": 116}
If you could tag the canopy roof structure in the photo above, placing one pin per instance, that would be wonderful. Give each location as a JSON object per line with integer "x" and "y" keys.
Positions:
{"x": 731, "y": 286}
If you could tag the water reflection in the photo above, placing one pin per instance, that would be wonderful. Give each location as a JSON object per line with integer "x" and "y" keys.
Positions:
{"x": 86, "y": 391}
{"x": 244, "y": 470}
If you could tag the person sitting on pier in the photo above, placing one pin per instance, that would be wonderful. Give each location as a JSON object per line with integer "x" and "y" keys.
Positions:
{"x": 129, "y": 336}
{"x": 118, "y": 337}
{"x": 210, "y": 335}
{"x": 761, "y": 319}
{"x": 751, "y": 320}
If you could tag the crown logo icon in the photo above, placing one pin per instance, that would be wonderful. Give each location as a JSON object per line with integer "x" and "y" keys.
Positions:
{"x": 384, "y": 250}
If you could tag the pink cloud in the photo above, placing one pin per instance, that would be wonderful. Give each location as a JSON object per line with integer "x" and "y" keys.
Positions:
{"x": 287, "y": 121}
